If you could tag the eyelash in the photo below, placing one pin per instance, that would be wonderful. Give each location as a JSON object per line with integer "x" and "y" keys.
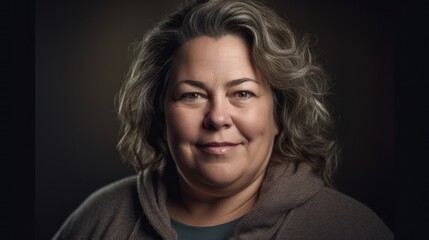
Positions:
{"x": 192, "y": 96}
{"x": 248, "y": 94}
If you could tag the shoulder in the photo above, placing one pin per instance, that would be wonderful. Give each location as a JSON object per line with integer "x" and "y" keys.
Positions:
{"x": 118, "y": 196}
{"x": 118, "y": 192}
{"x": 330, "y": 214}
{"x": 116, "y": 204}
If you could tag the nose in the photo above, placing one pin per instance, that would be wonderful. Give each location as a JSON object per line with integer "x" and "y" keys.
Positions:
{"x": 218, "y": 115}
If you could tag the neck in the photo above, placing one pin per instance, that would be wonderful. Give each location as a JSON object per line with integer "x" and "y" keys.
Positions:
{"x": 197, "y": 208}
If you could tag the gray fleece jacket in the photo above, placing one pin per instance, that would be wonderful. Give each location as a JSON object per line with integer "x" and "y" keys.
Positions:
{"x": 293, "y": 204}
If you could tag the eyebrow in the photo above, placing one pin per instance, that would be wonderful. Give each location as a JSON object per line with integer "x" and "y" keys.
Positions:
{"x": 229, "y": 84}
{"x": 240, "y": 81}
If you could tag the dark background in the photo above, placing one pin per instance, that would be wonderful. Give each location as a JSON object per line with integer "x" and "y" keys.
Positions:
{"x": 375, "y": 52}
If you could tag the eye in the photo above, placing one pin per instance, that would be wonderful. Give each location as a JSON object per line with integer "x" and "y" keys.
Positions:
{"x": 243, "y": 94}
{"x": 190, "y": 96}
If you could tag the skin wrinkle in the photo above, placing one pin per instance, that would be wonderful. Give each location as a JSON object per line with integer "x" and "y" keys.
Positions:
{"x": 285, "y": 62}
{"x": 217, "y": 188}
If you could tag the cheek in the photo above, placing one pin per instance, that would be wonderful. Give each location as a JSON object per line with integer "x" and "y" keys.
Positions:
{"x": 181, "y": 125}
{"x": 257, "y": 122}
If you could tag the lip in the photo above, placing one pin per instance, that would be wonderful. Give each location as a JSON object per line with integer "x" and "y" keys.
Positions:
{"x": 218, "y": 148}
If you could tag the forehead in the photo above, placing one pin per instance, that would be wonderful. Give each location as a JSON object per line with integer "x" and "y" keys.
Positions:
{"x": 226, "y": 57}
{"x": 228, "y": 46}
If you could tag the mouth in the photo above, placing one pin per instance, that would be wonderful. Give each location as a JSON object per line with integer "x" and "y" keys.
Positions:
{"x": 218, "y": 148}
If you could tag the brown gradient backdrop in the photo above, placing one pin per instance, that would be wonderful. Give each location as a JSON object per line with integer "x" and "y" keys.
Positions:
{"x": 82, "y": 56}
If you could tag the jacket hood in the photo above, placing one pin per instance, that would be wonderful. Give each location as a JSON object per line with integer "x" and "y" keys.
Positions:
{"x": 285, "y": 186}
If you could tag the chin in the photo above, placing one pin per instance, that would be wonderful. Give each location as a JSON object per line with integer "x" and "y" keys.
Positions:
{"x": 220, "y": 178}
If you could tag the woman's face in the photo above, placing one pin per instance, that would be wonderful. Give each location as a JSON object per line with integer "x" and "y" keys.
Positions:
{"x": 219, "y": 116}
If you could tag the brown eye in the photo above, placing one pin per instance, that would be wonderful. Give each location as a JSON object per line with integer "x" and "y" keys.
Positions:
{"x": 190, "y": 96}
{"x": 243, "y": 94}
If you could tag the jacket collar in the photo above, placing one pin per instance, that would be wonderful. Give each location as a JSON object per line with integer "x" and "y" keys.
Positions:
{"x": 286, "y": 186}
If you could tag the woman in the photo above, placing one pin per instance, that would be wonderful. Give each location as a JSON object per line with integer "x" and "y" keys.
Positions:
{"x": 225, "y": 120}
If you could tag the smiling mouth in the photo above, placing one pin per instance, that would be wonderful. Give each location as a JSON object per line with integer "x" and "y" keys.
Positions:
{"x": 218, "y": 148}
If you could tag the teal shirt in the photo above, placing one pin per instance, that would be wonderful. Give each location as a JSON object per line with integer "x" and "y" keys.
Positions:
{"x": 218, "y": 232}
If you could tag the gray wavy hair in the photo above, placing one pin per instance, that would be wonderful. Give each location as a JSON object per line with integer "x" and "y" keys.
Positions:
{"x": 299, "y": 84}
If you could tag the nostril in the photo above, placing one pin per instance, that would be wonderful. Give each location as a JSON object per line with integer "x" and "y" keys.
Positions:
{"x": 217, "y": 114}
{"x": 217, "y": 120}
{"x": 208, "y": 124}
